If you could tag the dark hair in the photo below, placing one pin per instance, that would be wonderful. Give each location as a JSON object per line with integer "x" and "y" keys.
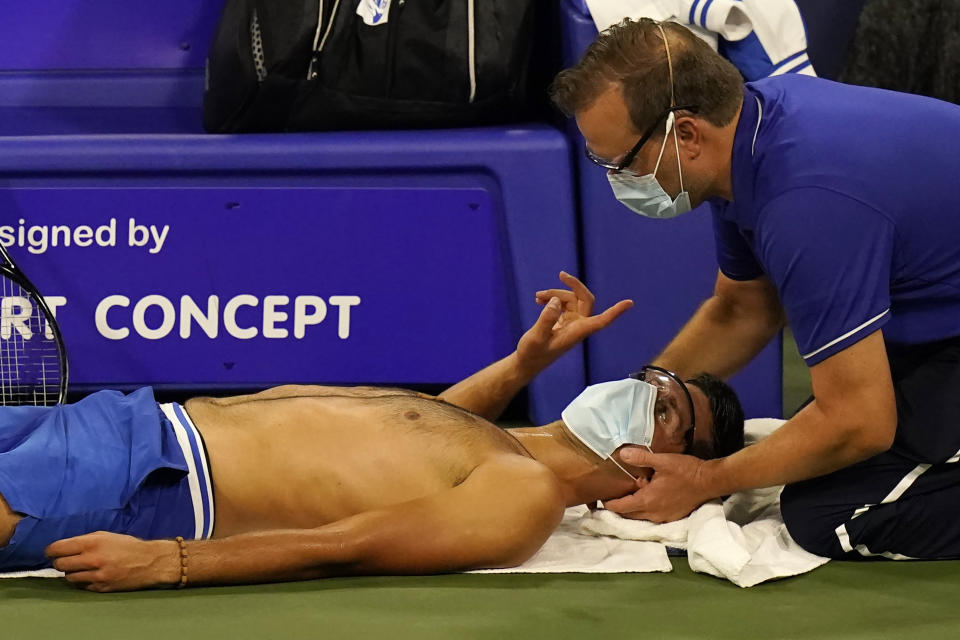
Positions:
{"x": 632, "y": 54}
{"x": 727, "y": 416}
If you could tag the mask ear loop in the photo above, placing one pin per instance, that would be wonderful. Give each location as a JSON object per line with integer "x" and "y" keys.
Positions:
{"x": 676, "y": 143}
{"x": 619, "y": 466}
{"x": 666, "y": 136}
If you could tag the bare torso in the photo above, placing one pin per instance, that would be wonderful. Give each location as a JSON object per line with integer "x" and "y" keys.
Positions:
{"x": 298, "y": 461}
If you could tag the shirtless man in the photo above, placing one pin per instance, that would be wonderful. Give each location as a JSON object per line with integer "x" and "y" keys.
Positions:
{"x": 312, "y": 482}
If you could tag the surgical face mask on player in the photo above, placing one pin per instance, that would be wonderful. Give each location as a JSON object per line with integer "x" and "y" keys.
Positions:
{"x": 643, "y": 194}
{"x": 610, "y": 414}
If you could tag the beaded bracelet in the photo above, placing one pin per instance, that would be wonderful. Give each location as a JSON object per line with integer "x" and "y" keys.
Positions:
{"x": 183, "y": 562}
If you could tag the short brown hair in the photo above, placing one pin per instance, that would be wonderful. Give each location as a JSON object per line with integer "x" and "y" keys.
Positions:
{"x": 728, "y": 418}
{"x": 632, "y": 54}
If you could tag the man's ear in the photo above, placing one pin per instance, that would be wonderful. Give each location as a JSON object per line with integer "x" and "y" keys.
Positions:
{"x": 691, "y": 137}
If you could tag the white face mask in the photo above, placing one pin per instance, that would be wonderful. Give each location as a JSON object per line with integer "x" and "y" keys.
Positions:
{"x": 643, "y": 194}
{"x": 610, "y": 414}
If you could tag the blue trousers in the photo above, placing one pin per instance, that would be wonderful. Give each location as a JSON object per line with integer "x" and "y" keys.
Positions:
{"x": 904, "y": 502}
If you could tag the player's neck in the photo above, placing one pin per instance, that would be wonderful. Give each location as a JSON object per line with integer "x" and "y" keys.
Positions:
{"x": 583, "y": 475}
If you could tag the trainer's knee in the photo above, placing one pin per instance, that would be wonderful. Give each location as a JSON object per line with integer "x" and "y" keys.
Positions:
{"x": 812, "y": 522}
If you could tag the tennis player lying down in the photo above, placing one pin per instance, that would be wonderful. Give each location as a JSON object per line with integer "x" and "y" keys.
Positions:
{"x": 310, "y": 482}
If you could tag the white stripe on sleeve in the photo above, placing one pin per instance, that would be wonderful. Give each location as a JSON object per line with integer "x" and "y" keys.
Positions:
{"x": 846, "y": 335}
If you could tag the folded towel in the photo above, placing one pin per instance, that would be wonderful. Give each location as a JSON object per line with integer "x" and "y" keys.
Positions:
{"x": 608, "y": 523}
{"x": 742, "y": 539}
{"x": 568, "y": 550}
{"x": 747, "y": 554}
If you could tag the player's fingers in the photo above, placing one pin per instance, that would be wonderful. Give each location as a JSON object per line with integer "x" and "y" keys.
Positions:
{"x": 99, "y": 587}
{"x": 73, "y": 564}
{"x": 566, "y": 296}
{"x": 66, "y": 547}
{"x": 609, "y": 315}
{"x": 83, "y": 578}
{"x": 580, "y": 289}
{"x": 548, "y": 317}
{"x": 585, "y": 327}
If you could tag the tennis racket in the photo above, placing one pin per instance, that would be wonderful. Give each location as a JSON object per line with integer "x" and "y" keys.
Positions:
{"x": 33, "y": 361}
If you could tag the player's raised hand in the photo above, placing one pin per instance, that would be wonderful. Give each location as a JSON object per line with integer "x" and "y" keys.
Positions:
{"x": 567, "y": 319}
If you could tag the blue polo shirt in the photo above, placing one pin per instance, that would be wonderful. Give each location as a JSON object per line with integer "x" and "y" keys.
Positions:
{"x": 847, "y": 199}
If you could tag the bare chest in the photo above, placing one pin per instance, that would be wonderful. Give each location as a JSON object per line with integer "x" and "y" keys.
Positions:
{"x": 304, "y": 462}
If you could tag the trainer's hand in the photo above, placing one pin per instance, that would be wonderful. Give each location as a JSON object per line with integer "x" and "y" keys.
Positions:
{"x": 676, "y": 488}
{"x": 105, "y": 561}
{"x": 565, "y": 320}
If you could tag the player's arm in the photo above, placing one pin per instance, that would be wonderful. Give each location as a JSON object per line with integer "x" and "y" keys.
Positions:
{"x": 309, "y": 390}
{"x": 566, "y": 320}
{"x": 728, "y": 330}
{"x": 484, "y": 522}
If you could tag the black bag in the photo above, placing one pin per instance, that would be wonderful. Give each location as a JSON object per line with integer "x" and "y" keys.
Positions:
{"x": 309, "y": 65}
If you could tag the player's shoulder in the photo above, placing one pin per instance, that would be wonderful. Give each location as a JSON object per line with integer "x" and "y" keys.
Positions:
{"x": 524, "y": 478}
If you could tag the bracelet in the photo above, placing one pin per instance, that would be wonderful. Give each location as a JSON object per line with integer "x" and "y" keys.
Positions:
{"x": 183, "y": 562}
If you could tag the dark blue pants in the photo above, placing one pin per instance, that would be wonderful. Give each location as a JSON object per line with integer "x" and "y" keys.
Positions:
{"x": 904, "y": 502}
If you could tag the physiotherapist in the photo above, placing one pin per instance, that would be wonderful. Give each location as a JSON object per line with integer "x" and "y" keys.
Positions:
{"x": 836, "y": 209}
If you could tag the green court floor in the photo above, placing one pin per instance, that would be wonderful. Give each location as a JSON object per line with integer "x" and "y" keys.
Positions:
{"x": 912, "y": 600}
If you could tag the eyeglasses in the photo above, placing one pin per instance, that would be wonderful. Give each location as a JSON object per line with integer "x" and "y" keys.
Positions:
{"x": 669, "y": 385}
{"x": 628, "y": 159}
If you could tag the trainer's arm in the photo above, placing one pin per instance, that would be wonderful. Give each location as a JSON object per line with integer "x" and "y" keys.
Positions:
{"x": 728, "y": 330}
{"x": 565, "y": 321}
{"x": 853, "y": 417}
{"x": 482, "y": 523}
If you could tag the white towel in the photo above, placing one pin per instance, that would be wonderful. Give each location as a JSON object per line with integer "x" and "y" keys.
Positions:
{"x": 569, "y": 550}
{"x": 38, "y": 573}
{"x": 748, "y": 554}
{"x": 742, "y": 539}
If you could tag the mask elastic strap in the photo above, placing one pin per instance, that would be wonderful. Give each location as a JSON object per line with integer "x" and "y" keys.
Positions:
{"x": 671, "y": 120}
{"x": 669, "y": 63}
{"x": 633, "y": 477}
{"x": 676, "y": 143}
{"x": 622, "y": 469}
{"x": 666, "y": 136}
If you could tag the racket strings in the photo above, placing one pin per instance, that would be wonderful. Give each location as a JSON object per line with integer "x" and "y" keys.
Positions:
{"x": 30, "y": 369}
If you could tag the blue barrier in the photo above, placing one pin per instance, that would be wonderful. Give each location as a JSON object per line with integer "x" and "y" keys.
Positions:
{"x": 413, "y": 255}
{"x": 192, "y": 262}
{"x": 667, "y": 267}
{"x": 41, "y": 35}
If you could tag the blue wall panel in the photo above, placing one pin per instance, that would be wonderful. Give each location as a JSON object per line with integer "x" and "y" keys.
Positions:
{"x": 106, "y": 34}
